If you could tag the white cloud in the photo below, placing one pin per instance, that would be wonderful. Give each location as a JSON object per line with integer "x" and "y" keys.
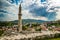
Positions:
{"x": 12, "y": 10}
{"x": 27, "y": 15}
{"x": 58, "y": 15}
{"x": 40, "y": 18}
{"x": 27, "y": 3}
{"x": 54, "y": 4}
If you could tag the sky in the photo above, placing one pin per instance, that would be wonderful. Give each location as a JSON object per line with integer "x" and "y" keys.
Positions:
{"x": 47, "y": 10}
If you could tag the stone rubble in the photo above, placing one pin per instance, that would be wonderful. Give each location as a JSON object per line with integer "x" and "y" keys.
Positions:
{"x": 27, "y": 35}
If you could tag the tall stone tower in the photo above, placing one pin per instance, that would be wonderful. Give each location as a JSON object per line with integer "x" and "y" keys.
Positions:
{"x": 19, "y": 19}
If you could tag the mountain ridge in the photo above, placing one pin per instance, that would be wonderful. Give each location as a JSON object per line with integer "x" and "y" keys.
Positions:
{"x": 24, "y": 21}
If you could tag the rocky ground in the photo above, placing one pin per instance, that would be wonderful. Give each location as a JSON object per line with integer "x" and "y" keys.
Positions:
{"x": 28, "y": 35}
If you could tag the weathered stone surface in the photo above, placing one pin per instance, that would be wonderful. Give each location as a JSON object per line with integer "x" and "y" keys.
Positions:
{"x": 30, "y": 35}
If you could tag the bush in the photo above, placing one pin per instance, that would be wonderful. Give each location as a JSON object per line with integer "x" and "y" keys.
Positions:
{"x": 1, "y": 32}
{"x": 25, "y": 27}
{"x": 38, "y": 29}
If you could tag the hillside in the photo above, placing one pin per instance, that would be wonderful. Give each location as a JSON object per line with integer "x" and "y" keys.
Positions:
{"x": 24, "y": 21}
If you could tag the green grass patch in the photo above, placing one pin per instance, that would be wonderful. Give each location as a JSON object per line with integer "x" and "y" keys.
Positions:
{"x": 54, "y": 39}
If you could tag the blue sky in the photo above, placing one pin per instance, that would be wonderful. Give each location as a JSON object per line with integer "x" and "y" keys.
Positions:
{"x": 48, "y": 10}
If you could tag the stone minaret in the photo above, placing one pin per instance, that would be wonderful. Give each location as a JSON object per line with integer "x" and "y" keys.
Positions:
{"x": 19, "y": 19}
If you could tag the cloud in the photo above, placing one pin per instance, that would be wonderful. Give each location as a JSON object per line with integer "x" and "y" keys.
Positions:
{"x": 12, "y": 10}
{"x": 58, "y": 15}
{"x": 40, "y": 18}
{"x": 9, "y": 12}
{"x": 54, "y": 6}
{"x": 37, "y": 11}
{"x": 31, "y": 9}
{"x": 28, "y": 15}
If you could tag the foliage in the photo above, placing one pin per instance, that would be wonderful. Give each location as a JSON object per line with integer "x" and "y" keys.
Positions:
{"x": 6, "y": 24}
{"x": 1, "y": 32}
{"x": 56, "y": 23}
{"x": 38, "y": 29}
{"x": 54, "y": 39}
{"x": 25, "y": 27}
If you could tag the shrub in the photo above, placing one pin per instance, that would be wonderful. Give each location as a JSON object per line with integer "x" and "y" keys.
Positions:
{"x": 1, "y": 32}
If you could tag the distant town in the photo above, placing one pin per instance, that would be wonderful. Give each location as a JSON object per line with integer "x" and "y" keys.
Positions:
{"x": 46, "y": 26}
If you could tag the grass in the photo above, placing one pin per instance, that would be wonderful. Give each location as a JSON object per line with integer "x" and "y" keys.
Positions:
{"x": 54, "y": 39}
